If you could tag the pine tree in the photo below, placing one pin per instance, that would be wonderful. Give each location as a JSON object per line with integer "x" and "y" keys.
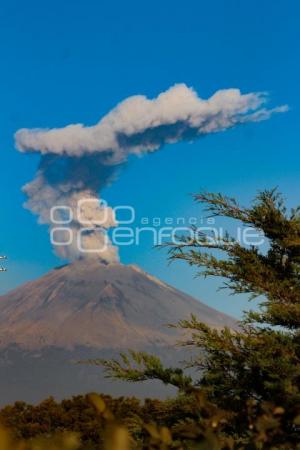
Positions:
{"x": 255, "y": 368}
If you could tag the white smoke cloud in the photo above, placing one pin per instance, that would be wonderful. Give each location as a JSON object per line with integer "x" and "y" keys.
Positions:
{"x": 78, "y": 161}
{"x": 126, "y": 129}
{"x": 56, "y": 204}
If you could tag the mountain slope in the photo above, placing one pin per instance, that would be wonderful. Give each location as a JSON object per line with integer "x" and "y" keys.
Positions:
{"x": 88, "y": 310}
{"x": 99, "y": 306}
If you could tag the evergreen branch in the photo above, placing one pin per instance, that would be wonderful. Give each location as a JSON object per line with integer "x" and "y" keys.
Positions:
{"x": 140, "y": 366}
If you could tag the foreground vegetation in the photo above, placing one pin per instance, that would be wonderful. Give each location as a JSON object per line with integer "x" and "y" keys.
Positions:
{"x": 90, "y": 416}
{"x": 92, "y": 422}
{"x": 247, "y": 393}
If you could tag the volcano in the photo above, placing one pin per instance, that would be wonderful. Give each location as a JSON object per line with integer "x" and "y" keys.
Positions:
{"x": 88, "y": 310}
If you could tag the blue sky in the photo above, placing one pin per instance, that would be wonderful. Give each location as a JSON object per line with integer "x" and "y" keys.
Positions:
{"x": 72, "y": 61}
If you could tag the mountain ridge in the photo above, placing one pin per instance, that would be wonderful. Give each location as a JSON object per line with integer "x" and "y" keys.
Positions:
{"x": 88, "y": 310}
{"x": 97, "y": 305}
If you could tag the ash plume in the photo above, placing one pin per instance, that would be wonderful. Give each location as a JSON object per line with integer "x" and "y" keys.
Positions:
{"x": 78, "y": 161}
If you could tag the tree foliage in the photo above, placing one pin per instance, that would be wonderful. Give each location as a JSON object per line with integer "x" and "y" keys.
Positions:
{"x": 251, "y": 373}
{"x": 246, "y": 393}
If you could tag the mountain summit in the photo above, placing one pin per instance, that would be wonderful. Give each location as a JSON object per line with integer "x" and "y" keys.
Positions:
{"x": 85, "y": 310}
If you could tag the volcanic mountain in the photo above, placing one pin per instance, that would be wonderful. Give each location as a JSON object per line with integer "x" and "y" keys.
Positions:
{"x": 87, "y": 310}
